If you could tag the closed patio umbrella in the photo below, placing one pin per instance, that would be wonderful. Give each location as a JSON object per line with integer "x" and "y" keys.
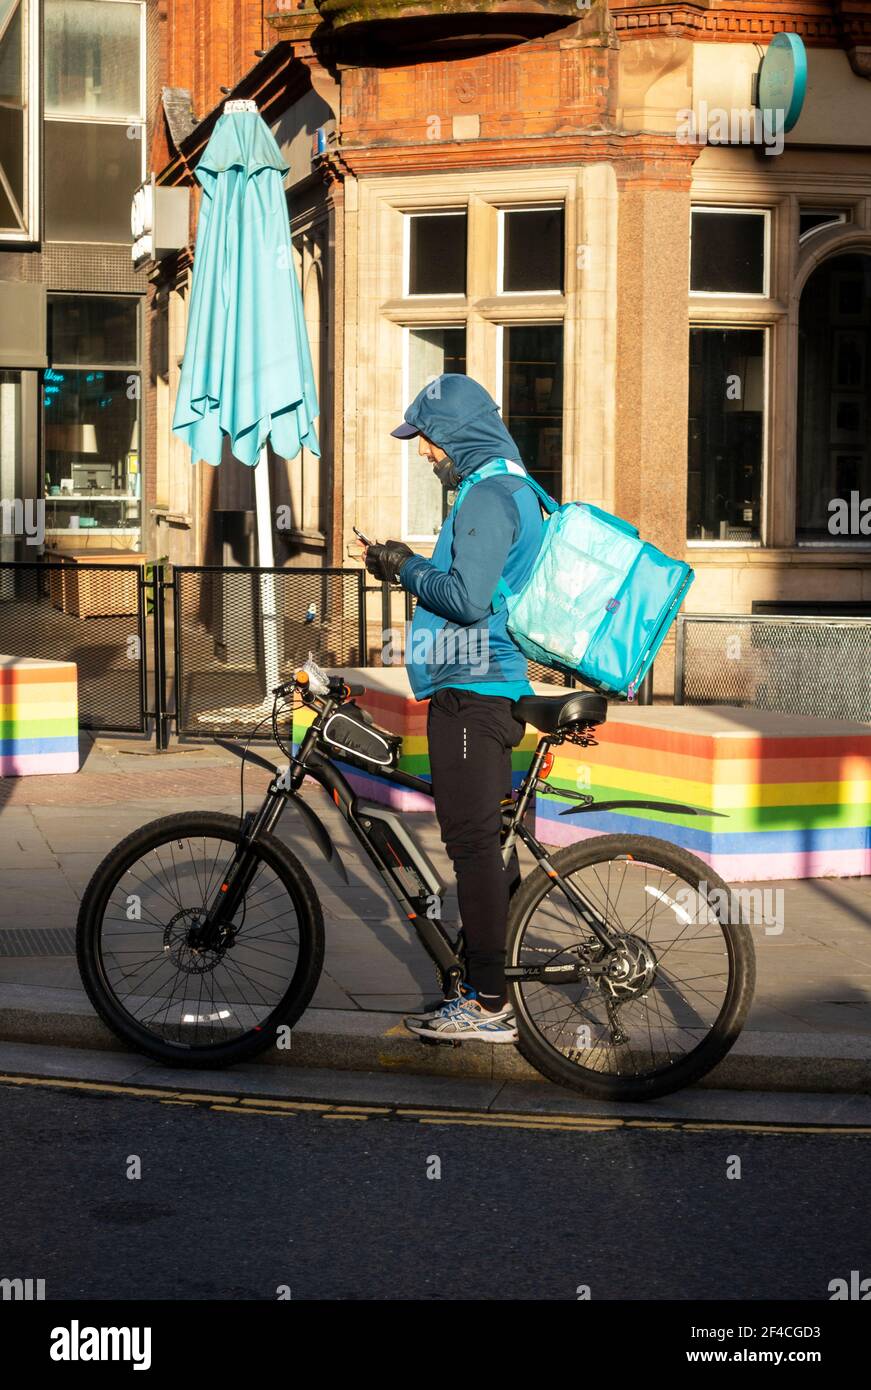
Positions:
{"x": 247, "y": 375}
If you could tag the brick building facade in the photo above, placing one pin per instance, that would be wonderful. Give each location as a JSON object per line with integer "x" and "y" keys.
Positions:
{"x": 672, "y": 313}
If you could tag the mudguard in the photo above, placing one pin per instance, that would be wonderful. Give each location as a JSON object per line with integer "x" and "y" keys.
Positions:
{"x": 313, "y": 822}
{"x": 320, "y": 835}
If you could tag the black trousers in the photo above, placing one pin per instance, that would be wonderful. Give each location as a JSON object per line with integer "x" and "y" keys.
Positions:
{"x": 470, "y": 740}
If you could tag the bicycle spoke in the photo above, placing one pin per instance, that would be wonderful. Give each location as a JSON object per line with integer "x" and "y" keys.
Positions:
{"x": 157, "y": 971}
{"x": 643, "y": 1024}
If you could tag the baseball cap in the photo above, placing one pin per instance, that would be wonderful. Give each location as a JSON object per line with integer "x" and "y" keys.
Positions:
{"x": 404, "y": 431}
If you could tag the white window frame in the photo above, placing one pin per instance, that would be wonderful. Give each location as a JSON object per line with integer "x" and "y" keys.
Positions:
{"x": 838, "y": 218}
{"x": 31, "y": 31}
{"x": 128, "y": 120}
{"x": 407, "y": 330}
{"x": 406, "y": 251}
{"x": 765, "y": 292}
{"x": 699, "y": 543}
{"x": 500, "y": 249}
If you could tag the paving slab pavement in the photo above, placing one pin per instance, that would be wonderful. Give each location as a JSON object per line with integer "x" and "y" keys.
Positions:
{"x": 813, "y": 982}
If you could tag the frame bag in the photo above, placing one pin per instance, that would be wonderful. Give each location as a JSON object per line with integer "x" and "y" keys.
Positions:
{"x": 350, "y": 733}
{"x": 599, "y": 601}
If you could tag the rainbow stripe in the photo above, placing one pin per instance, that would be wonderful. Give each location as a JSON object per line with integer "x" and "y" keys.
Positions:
{"x": 795, "y": 792}
{"x": 39, "y": 720}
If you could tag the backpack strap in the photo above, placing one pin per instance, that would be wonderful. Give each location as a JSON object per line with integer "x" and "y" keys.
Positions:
{"x": 489, "y": 470}
{"x": 497, "y": 466}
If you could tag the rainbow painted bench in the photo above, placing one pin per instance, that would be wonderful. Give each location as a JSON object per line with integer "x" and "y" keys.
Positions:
{"x": 795, "y": 792}
{"x": 39, "y": 716}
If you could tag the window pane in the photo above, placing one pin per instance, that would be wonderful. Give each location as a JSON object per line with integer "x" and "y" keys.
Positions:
{"x": 12, "y": 154}
{"x": 91, "y": 434}
{"x": 91, "y": 174}
{"x": 533, "y": 250}
{"x": 12, "y": 132}
{"x": 834, "y": 400}
{"x": 728, "y": 252}
{"x": 92, "y": 329}
{"x": 10, "y": 52}
{"x": 437, "y": 254}
{"x": 10, "y": 459}
{"x": 725, "y": 433}
{"x": 431, "y": 351}
{"x": 91, "y": 59}
{"x": 532, "y": 399}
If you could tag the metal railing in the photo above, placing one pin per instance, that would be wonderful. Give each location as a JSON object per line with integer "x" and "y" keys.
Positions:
{"x": 91, "y": 614}
{"x": 819, "y": 666}
{"x": 220, "y": 659}
{"x": 192, "y": 649}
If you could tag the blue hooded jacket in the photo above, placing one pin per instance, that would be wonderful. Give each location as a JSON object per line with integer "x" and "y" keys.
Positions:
{"x": 456, "y": 639}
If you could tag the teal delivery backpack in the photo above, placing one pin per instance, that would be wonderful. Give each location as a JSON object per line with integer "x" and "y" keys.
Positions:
{"x": 599, "y": 601}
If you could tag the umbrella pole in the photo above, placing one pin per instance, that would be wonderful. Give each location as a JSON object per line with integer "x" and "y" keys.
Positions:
{"x": 266, "y": 561}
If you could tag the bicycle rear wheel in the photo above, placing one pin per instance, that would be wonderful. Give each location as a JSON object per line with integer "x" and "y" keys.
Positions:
{"x": 188, "y": 1007}
{"x": 677, "y": 991}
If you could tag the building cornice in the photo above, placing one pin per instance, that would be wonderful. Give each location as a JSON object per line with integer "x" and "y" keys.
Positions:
{"x": 842, "y": 24}
{"x": 642, "y": 157}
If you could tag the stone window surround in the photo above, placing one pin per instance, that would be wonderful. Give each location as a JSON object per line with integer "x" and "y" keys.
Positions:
{"x": 375, "y": 217}
{"x": 791, "y": 263}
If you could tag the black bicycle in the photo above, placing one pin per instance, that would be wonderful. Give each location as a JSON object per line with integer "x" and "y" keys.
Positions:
{"x": 201, "y": 936}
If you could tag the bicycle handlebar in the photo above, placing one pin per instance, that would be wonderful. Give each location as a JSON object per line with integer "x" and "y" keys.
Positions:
{"x": 338, "y": 686}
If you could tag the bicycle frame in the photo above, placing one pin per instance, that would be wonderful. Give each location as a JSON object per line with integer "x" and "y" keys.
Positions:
{"x": 394, "y": 852}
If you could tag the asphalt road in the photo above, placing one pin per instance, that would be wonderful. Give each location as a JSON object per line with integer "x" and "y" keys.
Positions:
{"x": 235, "y": 1203}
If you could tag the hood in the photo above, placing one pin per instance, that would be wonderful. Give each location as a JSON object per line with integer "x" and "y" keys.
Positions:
{"x": 458, "y": 415}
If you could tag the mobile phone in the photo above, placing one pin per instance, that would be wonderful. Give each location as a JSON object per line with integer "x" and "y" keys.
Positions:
{"x": 363, "y": 537}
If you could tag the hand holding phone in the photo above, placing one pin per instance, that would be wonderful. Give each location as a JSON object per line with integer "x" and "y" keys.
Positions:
{"x": 362, "y": 536}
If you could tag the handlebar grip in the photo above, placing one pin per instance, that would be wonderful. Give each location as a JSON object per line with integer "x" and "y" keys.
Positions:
{"x": 355, "y": 689}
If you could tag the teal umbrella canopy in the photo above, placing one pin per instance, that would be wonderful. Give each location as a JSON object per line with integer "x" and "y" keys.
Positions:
{"x": 247, "y": 371}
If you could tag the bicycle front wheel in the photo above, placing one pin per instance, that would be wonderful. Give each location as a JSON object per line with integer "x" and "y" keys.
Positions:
{"x": 192, "y": 1007}
{"x": 666, "y": 1006}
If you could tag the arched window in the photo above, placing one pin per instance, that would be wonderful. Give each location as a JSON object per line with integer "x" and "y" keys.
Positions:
{"x": 834, "y": 401}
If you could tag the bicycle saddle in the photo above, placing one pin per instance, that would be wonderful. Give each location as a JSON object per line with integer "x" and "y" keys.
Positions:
{"x": 550, "y": 713}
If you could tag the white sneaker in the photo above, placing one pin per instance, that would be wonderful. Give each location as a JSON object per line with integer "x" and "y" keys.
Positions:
{"x": 464, "y": 1020}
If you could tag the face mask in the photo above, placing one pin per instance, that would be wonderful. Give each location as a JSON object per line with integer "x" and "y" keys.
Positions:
{"x": 447, "y": 473}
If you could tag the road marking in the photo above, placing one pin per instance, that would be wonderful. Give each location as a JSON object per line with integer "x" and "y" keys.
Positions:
{"x": 326, "y": 1110}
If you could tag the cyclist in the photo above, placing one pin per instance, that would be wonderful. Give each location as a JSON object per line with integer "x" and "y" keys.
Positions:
{"x": 461, "y": 657}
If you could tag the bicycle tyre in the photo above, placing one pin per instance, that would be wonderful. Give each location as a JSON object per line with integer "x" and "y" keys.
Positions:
{"x": 301, "y": 892}
{"x": 547, "y": 1059}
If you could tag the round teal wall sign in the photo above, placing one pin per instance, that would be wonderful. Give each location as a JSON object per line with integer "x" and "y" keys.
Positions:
{"x": 782, "y": 82}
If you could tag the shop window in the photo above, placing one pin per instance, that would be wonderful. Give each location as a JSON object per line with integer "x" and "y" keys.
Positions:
{"x": 834, "y": 401}
{"x": 531, "y": 250}
{"x": 429, "y": 353}
{"x": 94, "y": 132}
{"x": 91, "y": 419}
{"x": 436, "y": 253}
{"x": 811, "y": 220}
{"x": 726, "y": 436}
{"x": 19, "y": 67}
{"x": 729, "y": 252}
{"x": 532, "y": 398}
